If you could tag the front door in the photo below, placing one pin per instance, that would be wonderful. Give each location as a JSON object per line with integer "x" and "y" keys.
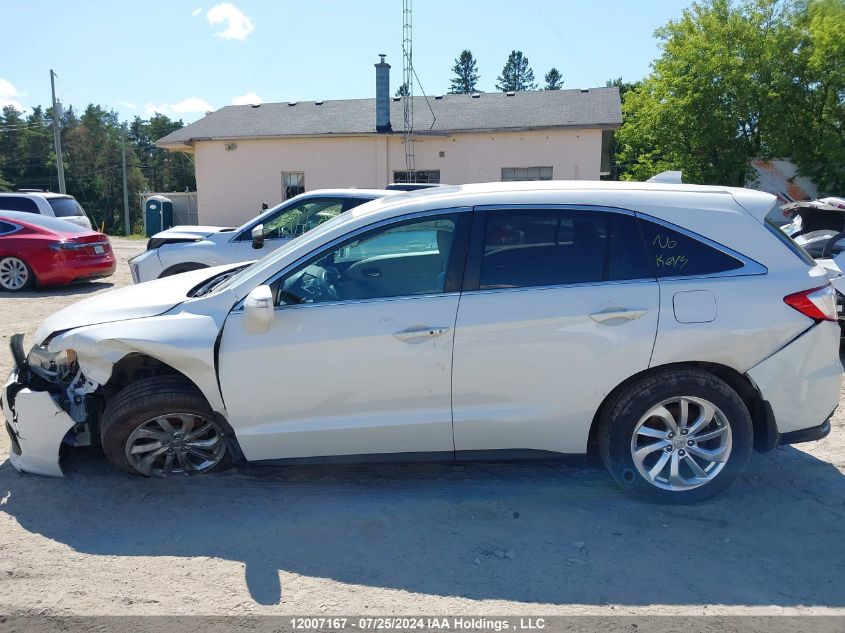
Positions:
{"x": 358, "y": 358}
{"x": 559, "y": 307}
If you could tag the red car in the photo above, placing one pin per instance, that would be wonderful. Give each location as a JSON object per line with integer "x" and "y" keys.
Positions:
{"x": 36, "y": 250}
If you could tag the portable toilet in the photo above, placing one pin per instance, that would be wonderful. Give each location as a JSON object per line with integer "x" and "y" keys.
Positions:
{"x": 158, "y": 214}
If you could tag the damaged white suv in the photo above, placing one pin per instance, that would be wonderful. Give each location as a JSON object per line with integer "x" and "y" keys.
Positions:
{"x": 666, "y": 327}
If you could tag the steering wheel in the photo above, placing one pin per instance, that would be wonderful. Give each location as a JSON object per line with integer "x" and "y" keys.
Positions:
{"x": 827, "y": 251}
{"x": 330, "y": 280}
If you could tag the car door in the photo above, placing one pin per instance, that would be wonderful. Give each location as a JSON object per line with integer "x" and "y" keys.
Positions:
{"x": 559, "y": 306}
{"x": 358, "y": 357}
{"x": 286, "y": 223}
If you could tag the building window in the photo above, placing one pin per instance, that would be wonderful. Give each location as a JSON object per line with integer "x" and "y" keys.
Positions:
{"x": 420, "y": 175}
{"x": 511, "y": 174}
{"x": 293, "y": 184}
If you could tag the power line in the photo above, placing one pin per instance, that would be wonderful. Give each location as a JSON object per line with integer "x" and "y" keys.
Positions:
{"x": 551, "y": 25}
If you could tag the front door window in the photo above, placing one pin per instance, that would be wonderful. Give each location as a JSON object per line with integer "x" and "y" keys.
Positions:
{"x": 404, "y": 259}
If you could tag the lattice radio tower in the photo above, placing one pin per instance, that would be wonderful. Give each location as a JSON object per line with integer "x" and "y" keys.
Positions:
{"x": 408, "y": 82}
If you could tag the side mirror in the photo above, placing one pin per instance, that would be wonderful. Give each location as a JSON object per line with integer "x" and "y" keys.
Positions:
{"x": 258, "y": 236}
{"x": 258, "y": 309}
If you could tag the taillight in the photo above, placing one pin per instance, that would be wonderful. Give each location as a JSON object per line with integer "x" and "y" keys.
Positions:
{"x": 817, "y": 303}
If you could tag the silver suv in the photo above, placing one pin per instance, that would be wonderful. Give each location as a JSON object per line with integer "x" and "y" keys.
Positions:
{"x": 45, "y": 203}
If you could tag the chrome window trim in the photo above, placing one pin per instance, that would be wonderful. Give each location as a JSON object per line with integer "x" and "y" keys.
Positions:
{"x": 580, "y": 284}
{"x": 238, "y": 307}
{"x": 17, "y": 228}
{"x": 749, "y": 266}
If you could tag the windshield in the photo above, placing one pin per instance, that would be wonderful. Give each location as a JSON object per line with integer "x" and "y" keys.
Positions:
{"x": 65, "y": 207}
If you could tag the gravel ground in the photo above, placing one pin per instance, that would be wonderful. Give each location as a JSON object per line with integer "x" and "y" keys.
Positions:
{"x": 482, "y": 539}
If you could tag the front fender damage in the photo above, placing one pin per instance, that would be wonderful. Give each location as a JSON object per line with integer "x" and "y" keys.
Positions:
{"x": 183, "y": 341}
{"x": 41, "y": 416}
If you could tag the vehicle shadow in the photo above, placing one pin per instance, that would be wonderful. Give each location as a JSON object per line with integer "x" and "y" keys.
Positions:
{"x": 546, "y": 532}
{"x": 76, "y": 288}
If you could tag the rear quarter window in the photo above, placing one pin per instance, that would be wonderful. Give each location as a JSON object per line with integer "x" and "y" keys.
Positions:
{"x": 674, "y": 254}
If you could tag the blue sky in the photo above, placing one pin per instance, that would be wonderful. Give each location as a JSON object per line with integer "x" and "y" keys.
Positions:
{"x": 182, "y": 58}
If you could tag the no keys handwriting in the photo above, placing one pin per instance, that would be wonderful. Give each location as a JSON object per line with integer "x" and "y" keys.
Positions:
{"x": 668, "y": 260}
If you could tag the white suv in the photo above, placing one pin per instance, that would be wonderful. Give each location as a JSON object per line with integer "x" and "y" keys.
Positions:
{"x": 665, "y": 327}
{"x": 45, "y": 203}
{"x": 184, "y": 248}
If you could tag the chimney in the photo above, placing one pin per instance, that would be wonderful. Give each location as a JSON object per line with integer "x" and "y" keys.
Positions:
{"x": 383, "y": 95}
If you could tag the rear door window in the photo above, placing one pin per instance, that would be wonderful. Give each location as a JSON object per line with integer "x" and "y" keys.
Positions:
{"x": 548, "y": 247}
{"x": 18, "y": 203}
{"x": 674, "y": 254}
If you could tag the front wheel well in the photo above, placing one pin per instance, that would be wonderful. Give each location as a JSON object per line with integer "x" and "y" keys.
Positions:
{"x": 136, "y": 366}
{"x": 762, "y": 418}
{"x": 182, "y": 268}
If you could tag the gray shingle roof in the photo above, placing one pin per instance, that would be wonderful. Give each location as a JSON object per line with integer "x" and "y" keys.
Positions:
{"x": 598, "y": 107}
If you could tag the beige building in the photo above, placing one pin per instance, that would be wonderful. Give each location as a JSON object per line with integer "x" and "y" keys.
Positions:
{"x": 246, "y": 155}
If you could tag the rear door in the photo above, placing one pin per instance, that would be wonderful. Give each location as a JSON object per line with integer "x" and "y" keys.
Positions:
{"x": 559, "y": 306}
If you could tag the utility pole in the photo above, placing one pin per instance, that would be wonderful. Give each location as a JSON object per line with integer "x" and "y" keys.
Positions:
{"x": 57, "y": 137}
{"x": 127, "y": 226}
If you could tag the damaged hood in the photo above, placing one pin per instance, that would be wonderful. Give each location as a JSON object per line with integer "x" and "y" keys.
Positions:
{"x": 131, "y": 302}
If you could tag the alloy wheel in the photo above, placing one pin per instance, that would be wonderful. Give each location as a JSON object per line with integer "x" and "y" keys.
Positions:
{"x": 14, "y": 274}
{"x": 175, "y": 444}
{"x": 681, "y": 443}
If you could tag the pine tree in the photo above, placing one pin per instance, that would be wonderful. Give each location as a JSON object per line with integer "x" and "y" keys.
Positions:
{"x": 402, "y": 91}
{"x": 466, "y": 74}
{"x": 554, "y": 80}
{"x": 517, "y": 75}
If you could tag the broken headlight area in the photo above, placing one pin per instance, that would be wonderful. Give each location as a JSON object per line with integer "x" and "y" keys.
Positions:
{"x": 59, "y": 374}
{"x": 52, "y": 366}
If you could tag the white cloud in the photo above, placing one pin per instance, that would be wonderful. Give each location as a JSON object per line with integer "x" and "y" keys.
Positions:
{"x": 8, "y": 93}
{"x": 126, "y": 104}
{"x": 191, "y": 105}
{"x": 196, "y": 11}
{"x": 238, "y": 25}
{"x": 249, "y": 98}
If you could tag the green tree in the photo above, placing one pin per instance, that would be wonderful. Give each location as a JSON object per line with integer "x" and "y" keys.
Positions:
{"x": 403, "y": 91}
{"x": 721, "y": 93}
{"x": 817, "y": 129}
{"x": 164, "y": 170}
{"x": 554, "y": 80}
{"x": 466, "y": 74}
{"x": 517, "y": 75}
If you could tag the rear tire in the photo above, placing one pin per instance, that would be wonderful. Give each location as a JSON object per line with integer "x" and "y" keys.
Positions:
{"x": 15, "y": 275}
{"x": 655, "y": 450}
{"x": 163, "y": 426}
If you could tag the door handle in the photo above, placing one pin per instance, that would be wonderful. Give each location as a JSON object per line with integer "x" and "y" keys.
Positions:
{"x": 616, "y": 314}
{"x": 419, "y": 334}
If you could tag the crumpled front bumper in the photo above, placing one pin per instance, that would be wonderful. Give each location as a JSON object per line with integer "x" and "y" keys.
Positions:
{"x": 36, "y": 426}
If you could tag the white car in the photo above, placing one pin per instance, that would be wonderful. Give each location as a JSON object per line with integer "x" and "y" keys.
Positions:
{"x": 53, "y": 205}
{"x": 184, "y": 248}
{"x": 666, "y": 327}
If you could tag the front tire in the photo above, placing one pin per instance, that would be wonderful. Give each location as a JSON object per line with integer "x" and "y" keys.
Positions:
{"x": 677, "y": 436}
{"x": 163, "y": 426}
